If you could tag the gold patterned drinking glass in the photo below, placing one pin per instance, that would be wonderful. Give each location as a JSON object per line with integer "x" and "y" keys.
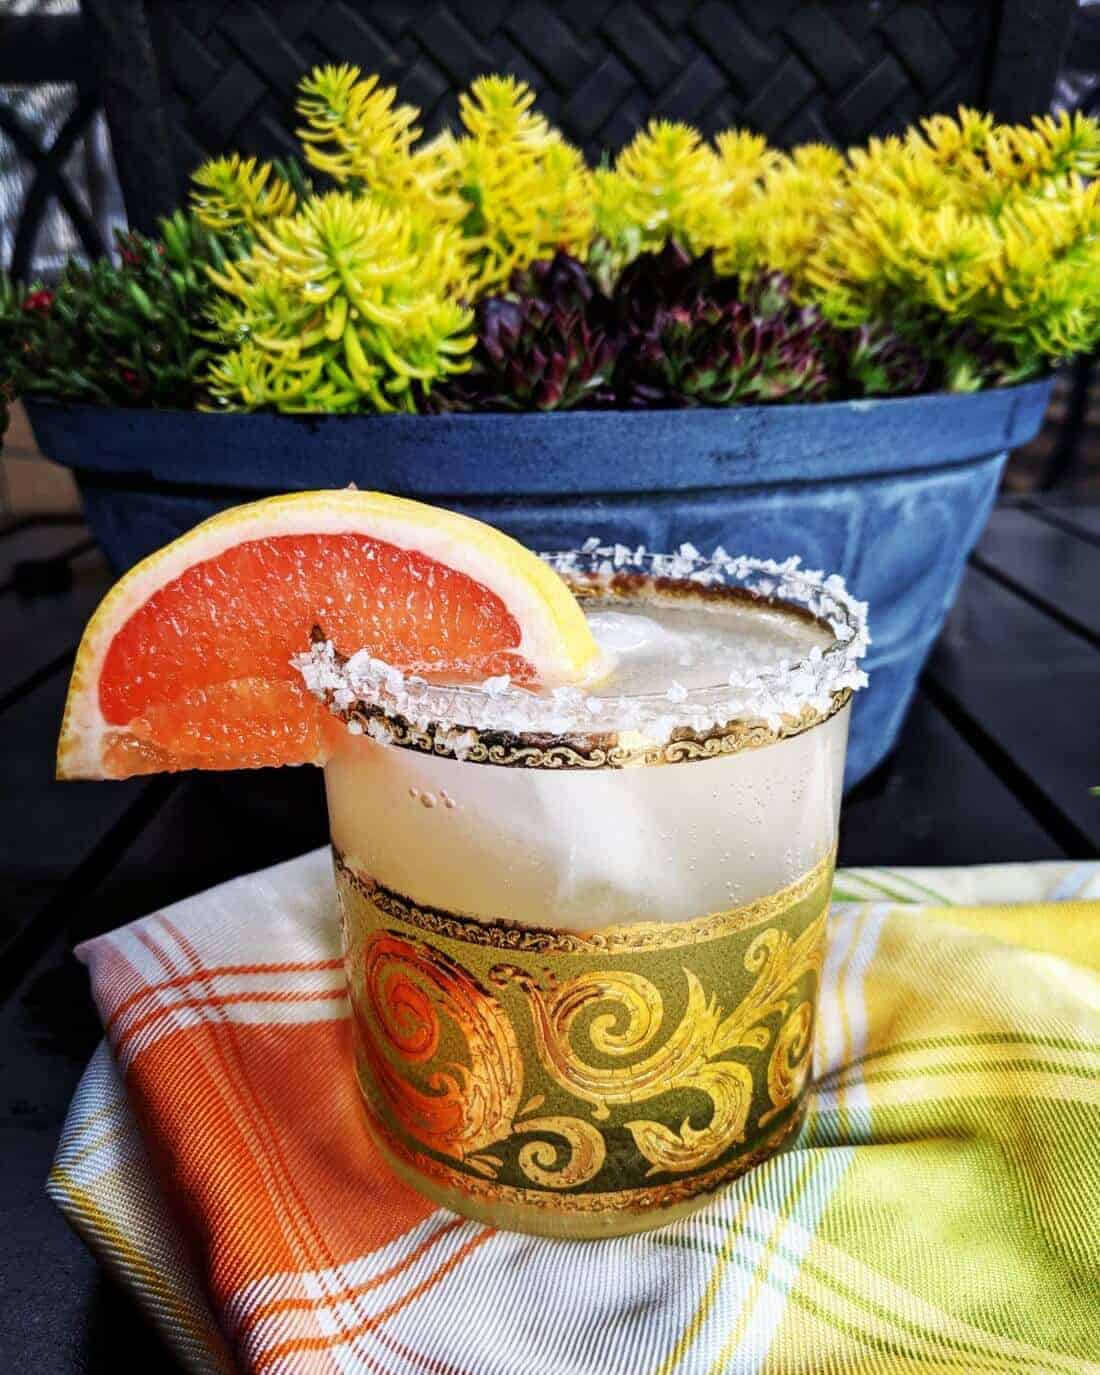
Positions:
{"x": 584, "y": 932}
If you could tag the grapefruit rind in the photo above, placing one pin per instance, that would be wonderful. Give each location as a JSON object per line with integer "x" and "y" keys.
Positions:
{"x": 555, "y": 638}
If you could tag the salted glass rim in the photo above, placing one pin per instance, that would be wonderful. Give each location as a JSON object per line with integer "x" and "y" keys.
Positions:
{"x": 788, "y": 690}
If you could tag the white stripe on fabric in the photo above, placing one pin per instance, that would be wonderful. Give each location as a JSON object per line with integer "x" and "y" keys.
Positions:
{"x": 853, "y": 1089}
{"x": 532, "y": 1282}
{"x": 829, "y": 1041}
{"x": 164, "y": 1010}
{"x": 741, "y": 1249}
{"x": 1073, "y": 884}
{"x": 146, "y": 970}
{"x": 377, "y": 1345}
{"x": 114, "y": 1144}
{"x": 283, "y": 986}
{"x": 314, "y": 1287}
{"x": 830, "y": 1167}
{"x": 617, "y": 1329}
{"x": 242, "y": 1014}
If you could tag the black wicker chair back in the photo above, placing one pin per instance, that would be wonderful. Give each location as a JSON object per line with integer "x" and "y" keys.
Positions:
{"x": 186, "y": 78}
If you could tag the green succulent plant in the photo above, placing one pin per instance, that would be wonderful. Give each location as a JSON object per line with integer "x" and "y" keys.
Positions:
{"x": 131, "y": 333}
{"x": 12, "y": 326}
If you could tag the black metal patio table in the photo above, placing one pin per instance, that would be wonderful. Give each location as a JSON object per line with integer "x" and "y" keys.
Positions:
{"x": 995, "y": 763}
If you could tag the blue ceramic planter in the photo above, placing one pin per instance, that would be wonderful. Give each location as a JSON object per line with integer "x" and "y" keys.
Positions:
{"x": 892, "y": 494}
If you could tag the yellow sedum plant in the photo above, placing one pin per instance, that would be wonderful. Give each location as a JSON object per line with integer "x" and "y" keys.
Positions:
{"x": 962, "y": 234}
{"x": 235, "y": 193}
{"x": 339, "y": 307}
{"x": 511, "y": 185}
{"x": 975, "y": 224}
{"x": 359, "y": 299}
{"x": 668, "y": 183}
{"x": 777, "y": 222}
{"x": 961, "y": 224}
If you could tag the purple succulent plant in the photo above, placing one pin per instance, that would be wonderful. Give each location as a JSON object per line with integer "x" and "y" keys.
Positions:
{"x": 544, "y": 346}
{"x": 671, "y": 332}
{"x": 875, "y": 360}
{"x": 694, "y": 340}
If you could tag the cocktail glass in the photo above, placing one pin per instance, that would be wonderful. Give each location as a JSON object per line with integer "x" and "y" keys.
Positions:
{"x": 584, "y": 933}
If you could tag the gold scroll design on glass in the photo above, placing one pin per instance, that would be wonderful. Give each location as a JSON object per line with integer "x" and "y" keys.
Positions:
{"x": 693, "y": 1057}
{"x": 669, "y": 1194}
{"x": 412, "y": 990}
{"x": 458, "y": 1110}
{"x": 595, "y": 751}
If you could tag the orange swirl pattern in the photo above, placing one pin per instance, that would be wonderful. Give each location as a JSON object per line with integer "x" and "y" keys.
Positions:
{"x": 412, "y": 992}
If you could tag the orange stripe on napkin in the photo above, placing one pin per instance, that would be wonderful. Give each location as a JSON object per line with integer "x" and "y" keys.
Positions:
{"x": 181, "y": 980}
{"x": 268, "y": 1144}
{"x": 286, "y": 1305}
{"x": 223, "y": 1000}
{"x": 374, "y": 1322}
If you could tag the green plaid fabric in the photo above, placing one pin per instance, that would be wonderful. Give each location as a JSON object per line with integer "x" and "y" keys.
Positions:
{"x": 940, "y": 1210}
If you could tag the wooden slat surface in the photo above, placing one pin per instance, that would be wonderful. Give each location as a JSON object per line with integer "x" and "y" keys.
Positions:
{"x": 1046, "y": 564}
{"x": 208, "y": 828}
{"x": 60, "y": 1312}
{"x": 1025, "y": 690}
{"x": 1081, "y": 516}
{"x": 49, "y": 828}
{"x": 938, "y": 802}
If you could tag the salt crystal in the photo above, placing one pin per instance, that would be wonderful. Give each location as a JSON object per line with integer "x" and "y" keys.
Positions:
{"x": 359, "y": 664}
{"x": 758, "y": 687}
{"x": 379, "y": 731}
{"x": 460, "y": 743}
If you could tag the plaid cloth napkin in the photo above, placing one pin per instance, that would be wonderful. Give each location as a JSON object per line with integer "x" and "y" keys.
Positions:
{"x": 940, "y": 1211}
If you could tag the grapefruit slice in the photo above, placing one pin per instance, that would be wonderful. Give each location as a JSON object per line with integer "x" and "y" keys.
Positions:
{"x": 186, "y": 663}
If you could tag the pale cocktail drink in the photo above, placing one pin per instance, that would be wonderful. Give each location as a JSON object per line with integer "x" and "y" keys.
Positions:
{"x": 584, "y": 928}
